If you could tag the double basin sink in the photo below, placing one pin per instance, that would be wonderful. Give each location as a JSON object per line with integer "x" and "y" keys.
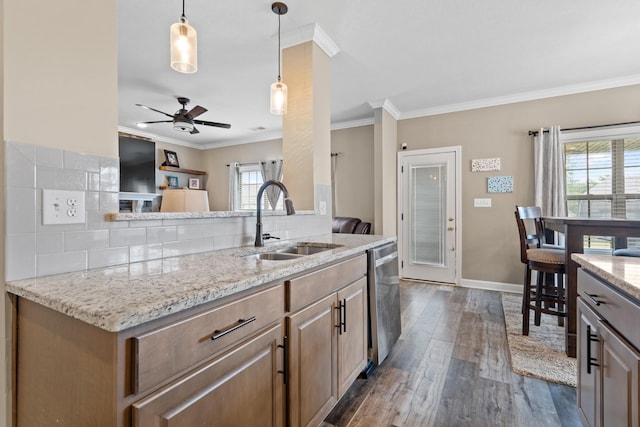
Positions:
{"x": 295, "y": 251}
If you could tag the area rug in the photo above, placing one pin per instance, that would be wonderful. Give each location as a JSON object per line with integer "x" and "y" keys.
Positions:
{"x": 541, "y": 354}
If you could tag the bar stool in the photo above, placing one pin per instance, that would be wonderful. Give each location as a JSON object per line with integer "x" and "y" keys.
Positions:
{"x": 547, "y": 296}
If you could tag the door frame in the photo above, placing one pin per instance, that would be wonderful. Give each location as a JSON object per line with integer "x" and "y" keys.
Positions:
{"x": 457, "y": 151}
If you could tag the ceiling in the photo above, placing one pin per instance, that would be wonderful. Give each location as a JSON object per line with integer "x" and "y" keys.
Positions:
{"x": 422, "y": 56}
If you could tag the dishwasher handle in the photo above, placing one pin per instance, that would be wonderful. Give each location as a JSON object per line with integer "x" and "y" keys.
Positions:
{"x": 386, "y": 259}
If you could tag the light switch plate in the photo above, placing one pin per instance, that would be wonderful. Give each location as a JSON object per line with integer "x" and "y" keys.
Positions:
{"x": 62, "y": 207}
{"x": 323, "y": 207}
{"x": 482, "y": 203}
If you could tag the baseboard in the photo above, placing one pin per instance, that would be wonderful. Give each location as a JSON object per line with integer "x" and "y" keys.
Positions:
{"x": 491, "y": 286}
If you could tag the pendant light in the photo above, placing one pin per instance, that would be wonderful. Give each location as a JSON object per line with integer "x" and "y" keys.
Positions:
{"x": 279, "y": 89}
{"x": 184, "y": 46}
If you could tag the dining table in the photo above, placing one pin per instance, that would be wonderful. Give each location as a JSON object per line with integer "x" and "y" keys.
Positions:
{"x": 574, "y": 230}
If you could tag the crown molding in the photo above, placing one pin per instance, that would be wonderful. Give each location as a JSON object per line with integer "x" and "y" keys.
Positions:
{"x": 387, "y": 105}
{"x": 266, "y": 136}
{"x": 525, "y": 96}
{"x": 310, "y": 32}
{"x": 352, "y": 124}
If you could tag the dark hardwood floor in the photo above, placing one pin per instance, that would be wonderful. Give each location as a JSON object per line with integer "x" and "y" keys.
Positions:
{"x": 451, "y": 367}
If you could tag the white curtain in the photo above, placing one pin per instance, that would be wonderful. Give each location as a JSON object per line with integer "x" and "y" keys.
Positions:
{"x": 549, "y": 173}
{"x": 272, "y": 170}
{"x": 233, "y": 186}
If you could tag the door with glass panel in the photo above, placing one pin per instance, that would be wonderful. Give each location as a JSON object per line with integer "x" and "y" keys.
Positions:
{"x": 428, "y": 215}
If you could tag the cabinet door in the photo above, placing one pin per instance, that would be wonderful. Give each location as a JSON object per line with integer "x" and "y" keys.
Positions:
{"x": 352, "y": 337}
{"x": 588, "y": 390}
{"x": 312, "y": 363}
{"x": 620, "y": 376}
{"x": 240, "y": 388}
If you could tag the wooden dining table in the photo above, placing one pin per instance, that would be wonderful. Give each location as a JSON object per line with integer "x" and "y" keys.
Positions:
{"x": 574, "y": 230}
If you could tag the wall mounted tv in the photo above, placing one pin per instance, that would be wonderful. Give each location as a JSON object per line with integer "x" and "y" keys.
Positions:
{"x": 137, "y": 165}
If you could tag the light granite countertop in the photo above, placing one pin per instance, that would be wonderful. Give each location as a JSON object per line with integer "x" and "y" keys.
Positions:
{"x": 622, "y": 272}
{"x": 120, "y": 297}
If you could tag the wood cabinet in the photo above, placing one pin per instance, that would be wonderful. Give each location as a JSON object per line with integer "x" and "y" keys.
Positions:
{"x": 219, "y": 363}
{"x": 240, "y": 388}
{"x": 327, "y": 338}
{"x": 608, "y": 392}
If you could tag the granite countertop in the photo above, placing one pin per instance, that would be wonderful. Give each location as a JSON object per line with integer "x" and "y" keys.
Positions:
{"x": 622, "y": 272}
{"x": 120, "y": 297}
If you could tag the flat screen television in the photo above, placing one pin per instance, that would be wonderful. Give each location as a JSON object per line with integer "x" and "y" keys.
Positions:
{"x": 137, "y": 165}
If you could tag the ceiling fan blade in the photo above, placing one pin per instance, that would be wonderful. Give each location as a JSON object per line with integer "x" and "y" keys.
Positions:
{"x": 156, "y": 121}
{"x": 194, "y": 131}
{"x": 195, "y": 112}
{"x": 153, "y": 109}
{"x": 219, "y": 125}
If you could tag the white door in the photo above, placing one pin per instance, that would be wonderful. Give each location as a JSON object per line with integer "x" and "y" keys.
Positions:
{"x": 429, "y": 214}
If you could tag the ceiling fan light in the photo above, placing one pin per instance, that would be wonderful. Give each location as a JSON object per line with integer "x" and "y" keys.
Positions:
{"x": 184, "y": 47}
{"x": 182, "y": 126}
{"x": 141, "y": 125}
{"x": 278, "y": 98}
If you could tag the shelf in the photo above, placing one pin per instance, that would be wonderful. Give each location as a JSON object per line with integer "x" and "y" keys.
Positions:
{"x": 182, "y": 170}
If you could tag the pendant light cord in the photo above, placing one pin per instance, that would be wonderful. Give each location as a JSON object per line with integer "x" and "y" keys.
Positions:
{"x": 278, "y": 46}
{"x": 183, "y": 18}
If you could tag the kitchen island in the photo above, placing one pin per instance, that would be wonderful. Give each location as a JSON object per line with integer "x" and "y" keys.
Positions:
{"x": 608, "y": 310}
{"x": 206, "y": 335}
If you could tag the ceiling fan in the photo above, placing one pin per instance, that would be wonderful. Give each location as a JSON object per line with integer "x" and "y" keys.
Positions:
{"x": 183, "y": 120}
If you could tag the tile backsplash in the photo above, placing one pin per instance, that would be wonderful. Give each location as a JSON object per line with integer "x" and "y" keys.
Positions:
{"x": 33, "y": 249}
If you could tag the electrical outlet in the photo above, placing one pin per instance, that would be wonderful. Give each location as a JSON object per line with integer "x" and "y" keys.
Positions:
{"x": 481, "y": 203}
{"x": 62, "y": 207}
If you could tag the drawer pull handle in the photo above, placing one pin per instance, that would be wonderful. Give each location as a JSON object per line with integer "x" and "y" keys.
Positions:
{"x": 344, "y": 315}
{"x": 340, "y": 309}
{"x": 219, "y": 333}
{"x": 590, "y": 360}
{"x": 592, "y": 298}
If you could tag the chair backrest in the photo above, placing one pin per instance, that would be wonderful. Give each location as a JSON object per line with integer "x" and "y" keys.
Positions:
{"x": 530, "y": 229}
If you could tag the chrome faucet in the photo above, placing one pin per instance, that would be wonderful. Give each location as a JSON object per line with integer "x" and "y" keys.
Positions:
{"x": 288, "y": 205}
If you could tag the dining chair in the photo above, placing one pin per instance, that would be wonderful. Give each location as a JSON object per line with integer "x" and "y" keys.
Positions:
{"x": 546, "y": 296}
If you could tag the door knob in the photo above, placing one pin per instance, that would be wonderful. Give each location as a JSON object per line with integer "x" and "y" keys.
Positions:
{"x": 450, "y": 228}
{"x": 450, "y": 218}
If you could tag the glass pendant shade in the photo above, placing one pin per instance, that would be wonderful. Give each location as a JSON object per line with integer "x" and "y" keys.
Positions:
{"x": 278, "y": 98}
{"x": 184, "y": 47}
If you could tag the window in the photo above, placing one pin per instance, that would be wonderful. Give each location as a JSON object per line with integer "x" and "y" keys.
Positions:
{"x": 249, "y": 182}
{"x": 603, "y": 181}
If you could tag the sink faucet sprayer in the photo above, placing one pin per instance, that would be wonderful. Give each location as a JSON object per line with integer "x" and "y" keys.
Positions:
{"x": 288, "y": 205}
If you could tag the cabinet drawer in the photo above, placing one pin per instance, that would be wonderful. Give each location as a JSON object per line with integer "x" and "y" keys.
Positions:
{"x": 620, "y": 312}
{"x": 309, "y": 288}
{"x": 161, "y": 353}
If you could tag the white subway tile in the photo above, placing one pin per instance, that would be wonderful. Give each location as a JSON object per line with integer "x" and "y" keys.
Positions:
{"x": 60, "y": 179}
{"x": 21, "y": 210}
{"x": 20, "y": 165}
{"x": 49, "y": 243}
{"x": 162, "y": 234}
{"x": 64, "y": 262}
{"x": 92, "y": 239}
{"x": 51, "y": 157}
{"x": 145, "y": 252}
{"x": 127, "y": 236}
{"x": 81, "y": 161}
{"x": 186, "y": 247}
{"x": 20, "y": 256}
{"x": 109, "y": 256}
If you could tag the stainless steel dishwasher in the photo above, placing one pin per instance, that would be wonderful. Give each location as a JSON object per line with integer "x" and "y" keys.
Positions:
{"x": 384, "y": 301}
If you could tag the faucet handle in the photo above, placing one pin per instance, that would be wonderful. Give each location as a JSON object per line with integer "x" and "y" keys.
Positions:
{"x": 267, "y": 236}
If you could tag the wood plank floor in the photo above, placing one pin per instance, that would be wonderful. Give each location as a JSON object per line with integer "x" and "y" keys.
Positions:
{"x": 451, "y": 367}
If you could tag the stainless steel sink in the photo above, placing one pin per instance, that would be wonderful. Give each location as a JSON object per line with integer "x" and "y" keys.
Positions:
{"x": 292, "y": 252}
{"x": 308, "y": 248}
{"x": 276, "y": 256}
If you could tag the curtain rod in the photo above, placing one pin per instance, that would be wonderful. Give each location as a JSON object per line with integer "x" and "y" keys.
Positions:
{"x": 256, "y": 163}
{"x": 535, "y": 132}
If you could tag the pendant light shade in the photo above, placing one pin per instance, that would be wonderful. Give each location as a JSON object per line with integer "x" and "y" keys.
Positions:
{"x": 184, "y": 46}
{"x": 279, "y": 89}
{"x": 278, "y": 98}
